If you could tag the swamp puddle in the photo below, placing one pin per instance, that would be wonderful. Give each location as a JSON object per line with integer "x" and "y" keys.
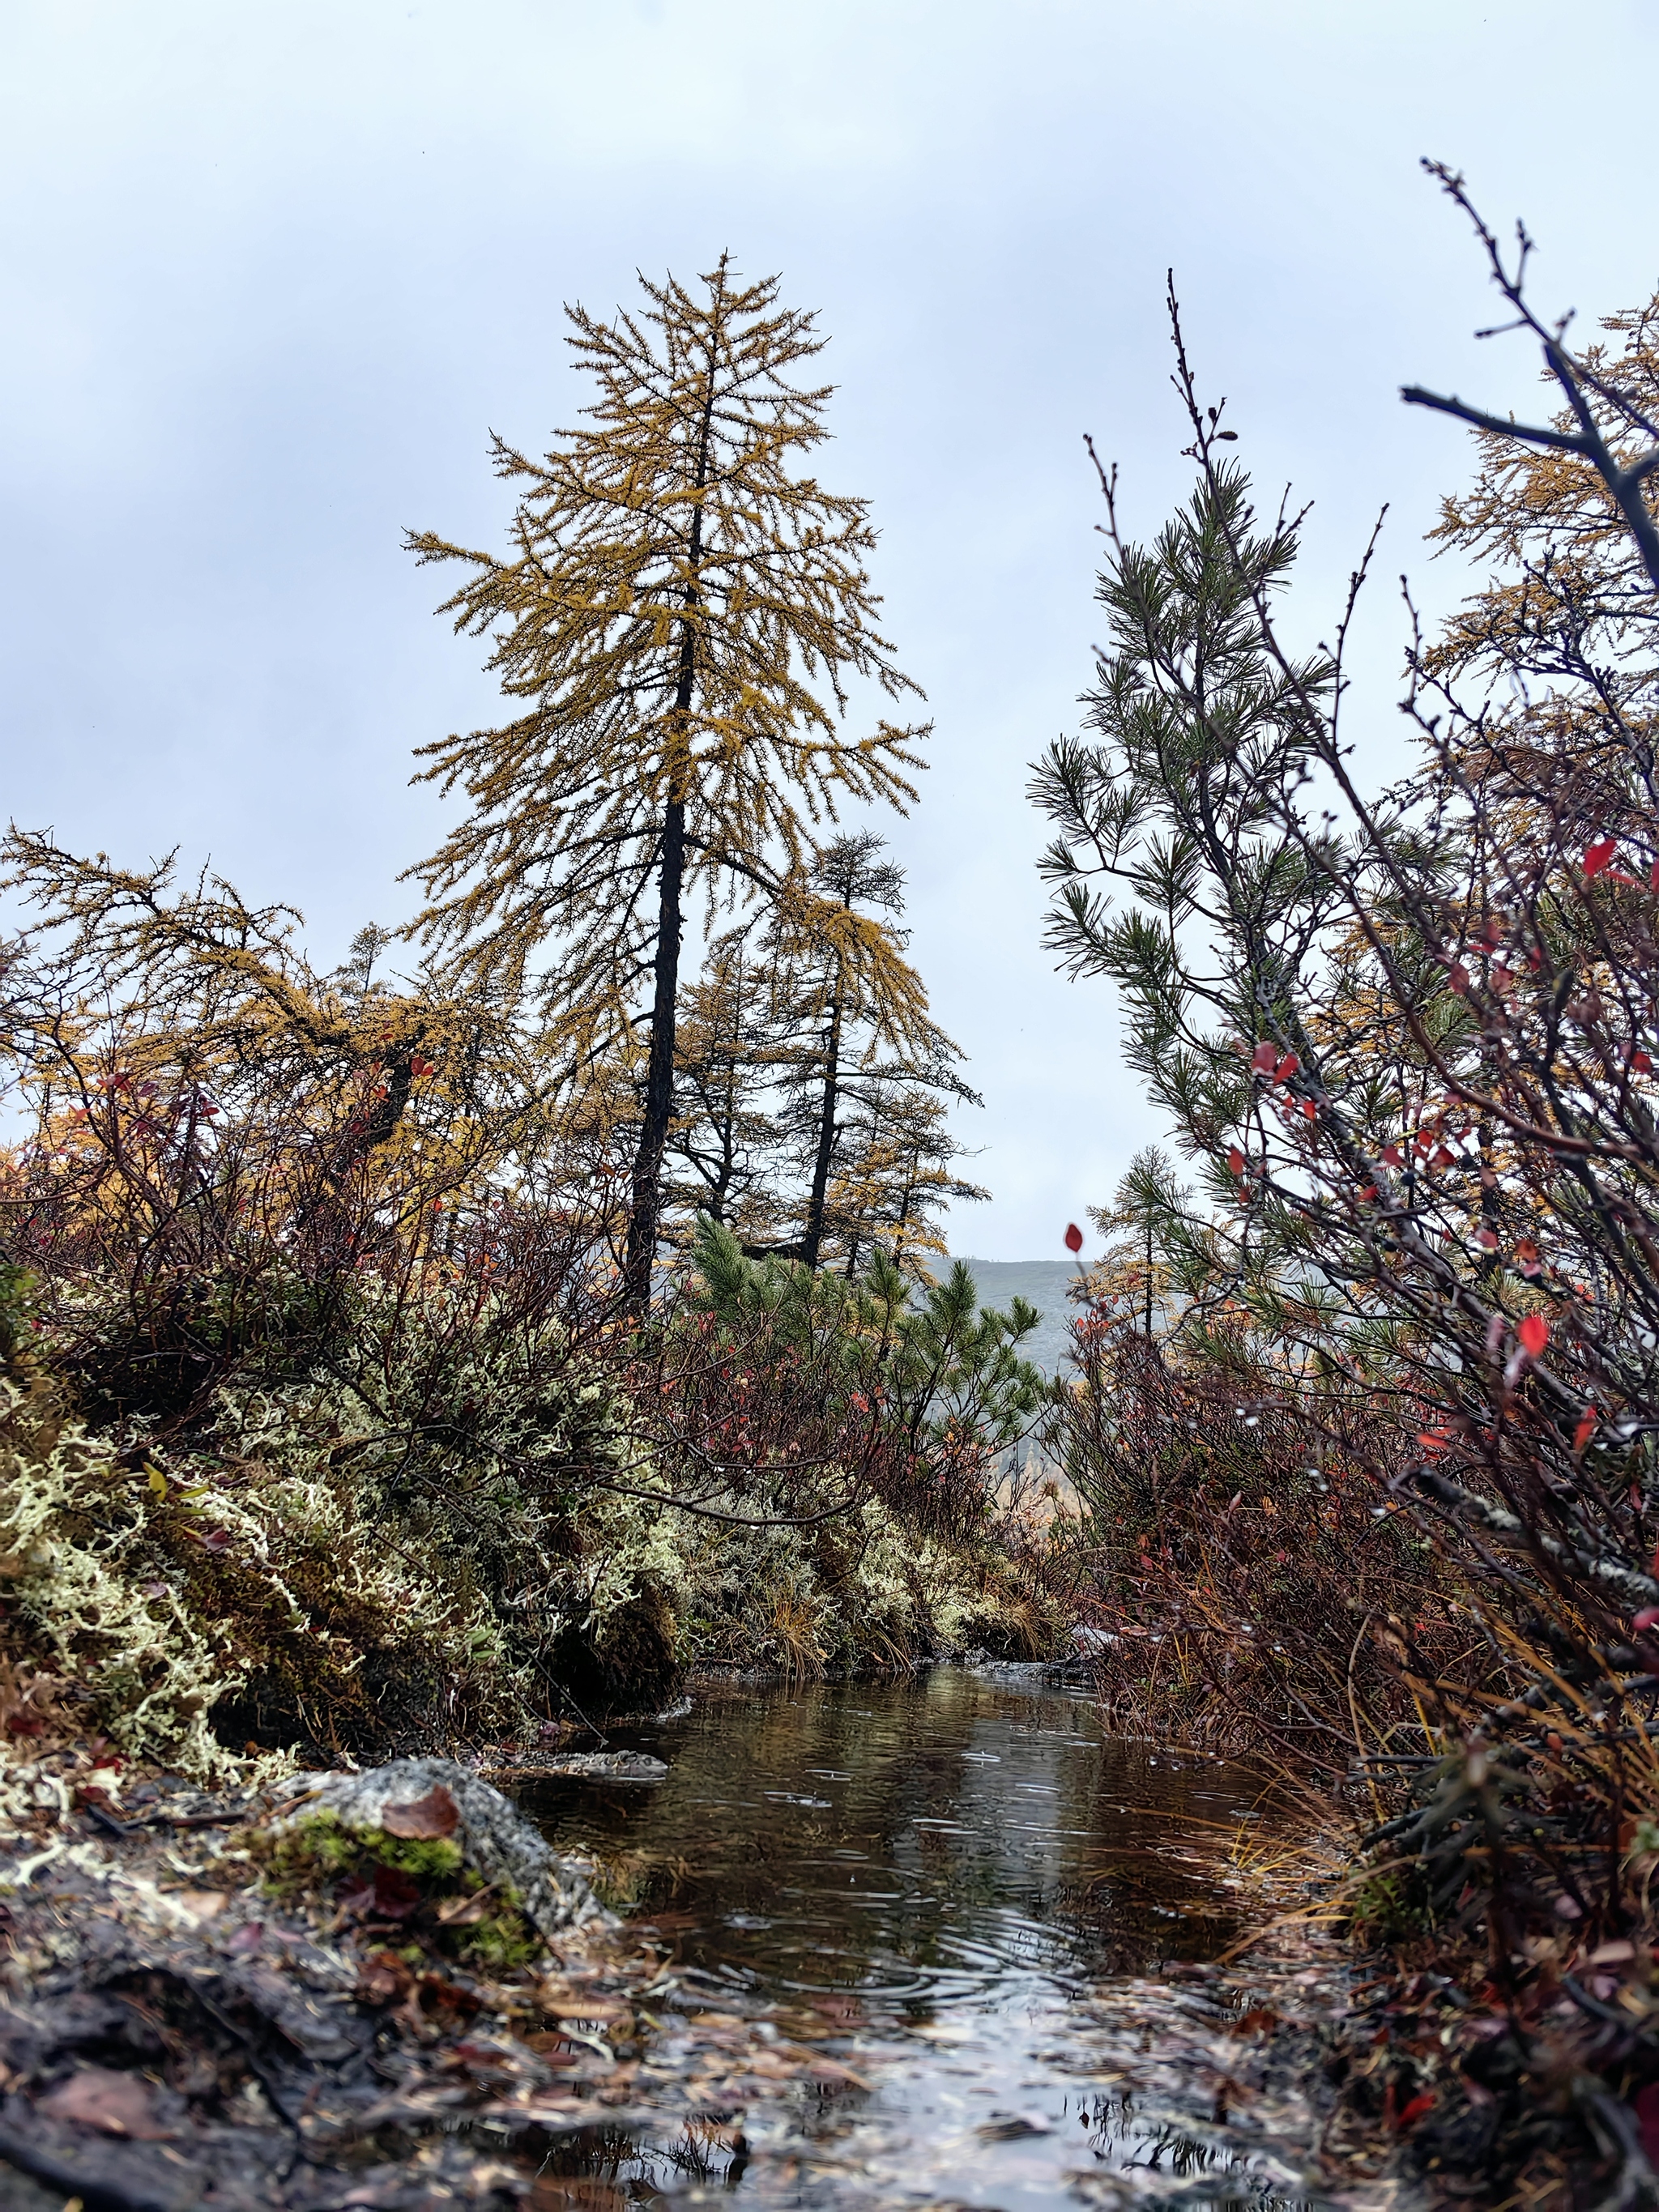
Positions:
{"x": 957, "y": 1891}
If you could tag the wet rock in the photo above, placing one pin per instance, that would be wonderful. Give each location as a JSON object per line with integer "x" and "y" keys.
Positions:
{"x": 92, "y": 2168}
{"x": 440, "y": 1800}
{"x": 587, "y": 1765}
{"x": 616, "y": 1765}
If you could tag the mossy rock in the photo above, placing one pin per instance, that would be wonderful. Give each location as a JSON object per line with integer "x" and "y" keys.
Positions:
{"x": 431, "y": 1826}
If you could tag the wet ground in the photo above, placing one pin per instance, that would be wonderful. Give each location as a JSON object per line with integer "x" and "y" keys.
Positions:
{"x": 959, "y": 1892}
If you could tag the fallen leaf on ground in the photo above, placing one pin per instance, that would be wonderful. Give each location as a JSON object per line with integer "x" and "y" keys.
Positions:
{"x": 200, "y": 1904}
{"x": 551, "y": 2047}
{"x": 422, "y": 1818}
{"x": 390, "y": 1895}
{"x": 383, "y": 1976}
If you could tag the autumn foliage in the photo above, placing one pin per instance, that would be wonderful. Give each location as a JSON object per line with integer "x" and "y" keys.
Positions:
{"x": 1370, "y": 1464}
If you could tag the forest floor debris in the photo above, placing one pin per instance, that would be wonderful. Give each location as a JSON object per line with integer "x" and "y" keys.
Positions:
{"x": 183, "y": 2023}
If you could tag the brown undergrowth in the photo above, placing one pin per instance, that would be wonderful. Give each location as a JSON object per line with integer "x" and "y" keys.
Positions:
{"x": 1462, "y": 1802}
{"x": 1248, "y": 1583}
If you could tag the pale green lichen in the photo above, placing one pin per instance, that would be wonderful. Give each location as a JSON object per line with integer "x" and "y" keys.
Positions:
{"x": 288, "y": 1579}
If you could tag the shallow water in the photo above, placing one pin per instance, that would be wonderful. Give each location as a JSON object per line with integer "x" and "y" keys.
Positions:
{"x": 935, "y": 1881}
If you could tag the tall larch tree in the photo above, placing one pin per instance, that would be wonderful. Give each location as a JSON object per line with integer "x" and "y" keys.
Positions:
{"x": 896, "y": 1176}
{"x": 681, "y": 613}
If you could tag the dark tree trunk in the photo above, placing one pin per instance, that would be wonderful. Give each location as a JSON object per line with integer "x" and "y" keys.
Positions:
{"x": 813, "y": 1236}
{"x": 647, "y": 1207}
{"x": 659, "y": 1070}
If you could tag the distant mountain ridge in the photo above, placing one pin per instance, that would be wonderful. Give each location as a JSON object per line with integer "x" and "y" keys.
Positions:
{"x": 1040, "y": 1283}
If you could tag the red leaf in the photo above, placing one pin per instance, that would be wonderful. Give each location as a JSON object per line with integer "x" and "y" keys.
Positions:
{"x": 1597, "y": 856}
{"x": 1265, "y": 1056}
{"x": 1286, "y": 1068}
{"x": 1535, "y": 1334}
{"x": 390, "y": 1895}
{"x": 1073, "y": 1237}
{"x": 1392, "y": 1156}
{"x": 1310, "y": 1109}
{"x": 1585, "y": 1431}
{"x": 1235, "y": 1161}
{"x": 1423, "y": 2102}
{"x": 434, "y": 1814}
{"x": 1487, "y": 1238}
{"x": 1442, "y": 1158}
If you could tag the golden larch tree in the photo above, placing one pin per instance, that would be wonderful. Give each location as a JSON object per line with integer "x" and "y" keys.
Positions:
{"x": 724, "y": 1140}
{"x": 681, "y": 613}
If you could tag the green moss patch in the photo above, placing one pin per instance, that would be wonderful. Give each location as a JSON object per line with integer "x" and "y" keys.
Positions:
{"x": 419, "y": 1886}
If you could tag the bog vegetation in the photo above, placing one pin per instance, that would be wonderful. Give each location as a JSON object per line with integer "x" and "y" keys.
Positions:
{"x": 1367, "y": 1400}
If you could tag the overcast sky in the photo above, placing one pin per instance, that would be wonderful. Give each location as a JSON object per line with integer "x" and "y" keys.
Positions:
{"x": 271, "y": 273}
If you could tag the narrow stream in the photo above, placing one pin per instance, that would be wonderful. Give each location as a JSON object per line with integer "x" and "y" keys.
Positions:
{"x": 925, "y": 1878}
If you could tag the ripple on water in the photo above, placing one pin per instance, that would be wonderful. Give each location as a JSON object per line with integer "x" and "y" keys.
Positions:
{"x": 928, "y": 1871}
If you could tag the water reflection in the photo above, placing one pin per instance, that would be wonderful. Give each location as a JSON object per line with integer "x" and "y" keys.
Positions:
{"x": 921, "y": 1878}
{"x": 919, "y": 1846}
